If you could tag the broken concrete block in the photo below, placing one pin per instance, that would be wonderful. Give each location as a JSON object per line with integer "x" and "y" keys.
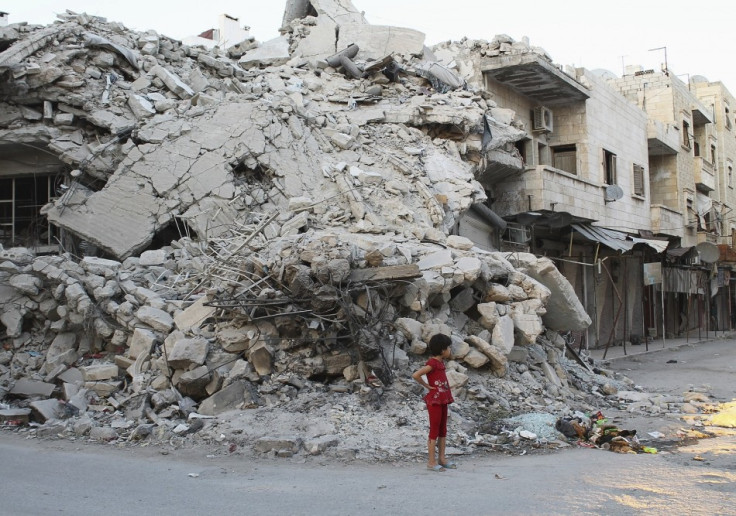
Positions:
{"x": 489, "y": 315}
{"x": 377, "y": 41}
{"x": 26, "y": 284}
{"x": 267, "y": 444}
{"x": 469, "y": 267}
{"x": 100, "y": 433}
{"x": 103, "y": 389}
{"x": 564, "y": 309}
{"x": 498, "y": 360}
{"x": 141, "y": 106}
{"x": 28, "y": 388}
{"x": 141, "y": 342}
{"x": 13, "y": 417}
{"x": 141, "y": 83}
{"x": 317, "y": 445}
{"x": 229, "y": 398}
{"x": 261, "y": 356}
{"x": 335, "y": 364}
{"x": 172, "y": 82}
{"x": 503, "y": 334}
{"x": 274, "y": 52}
{"x": 155, "y": 318}
{"x": 193, "y": 383}
{"x": 72, "y": 375}
{"x": 45, "y": 410}
{"x": 155, "y": 257}
{"x": 528, "y": 327}
{"x": 98, "y": 372}
{"x": 188, "y": 352}
{"x": 63, "y": 350}
{"x": 475, "y": 358}
{"x": 194, "y": 315}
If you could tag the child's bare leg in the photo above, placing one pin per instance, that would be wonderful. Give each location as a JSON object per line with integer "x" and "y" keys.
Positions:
{"x": 441, "y": 446}
{"x": 431, "y": 461}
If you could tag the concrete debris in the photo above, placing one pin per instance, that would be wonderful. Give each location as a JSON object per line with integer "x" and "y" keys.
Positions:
{"x": 270, "y": 234}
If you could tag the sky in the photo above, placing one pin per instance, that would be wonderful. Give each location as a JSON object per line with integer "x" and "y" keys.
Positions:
{"x": 692, "y": 38}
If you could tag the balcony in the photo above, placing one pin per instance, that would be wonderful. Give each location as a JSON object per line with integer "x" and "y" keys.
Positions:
{"x": 662, "y": 139}
{"x": 535, "y": 78}
{"x": 667, "y": 221}
{"x": 705, "y": 179}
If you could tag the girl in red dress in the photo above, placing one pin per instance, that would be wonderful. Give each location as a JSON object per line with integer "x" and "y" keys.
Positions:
{"x": 437, "y": 399}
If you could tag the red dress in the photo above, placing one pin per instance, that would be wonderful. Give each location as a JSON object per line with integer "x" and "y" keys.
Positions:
{"x": 437, "y": 378}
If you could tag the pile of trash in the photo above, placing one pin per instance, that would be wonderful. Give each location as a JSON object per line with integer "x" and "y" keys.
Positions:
{"x": 257, "y": 244}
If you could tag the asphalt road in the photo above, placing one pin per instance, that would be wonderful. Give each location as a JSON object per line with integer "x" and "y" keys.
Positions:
{"x": 65, "y": 477}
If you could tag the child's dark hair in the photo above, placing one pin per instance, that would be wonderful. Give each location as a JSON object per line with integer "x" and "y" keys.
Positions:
{"x": 438, "y": 343}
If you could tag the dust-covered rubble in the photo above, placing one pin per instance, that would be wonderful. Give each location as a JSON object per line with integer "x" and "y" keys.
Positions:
{"x": 257, "y": 243}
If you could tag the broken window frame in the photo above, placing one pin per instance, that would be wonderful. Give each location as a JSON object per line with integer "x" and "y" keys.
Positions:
{"x": 14, "y": 221}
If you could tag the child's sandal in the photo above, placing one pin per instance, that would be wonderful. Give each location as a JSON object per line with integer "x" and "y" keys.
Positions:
{"x": 438, "y": 468}
{"x": 449, "y": 465}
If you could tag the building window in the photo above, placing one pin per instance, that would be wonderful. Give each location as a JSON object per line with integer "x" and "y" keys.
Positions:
{"x": 713, "y": 156}
{"x": 21, "y": 223}
{"x": 564, "y": 157}
{"x": 686, "y": 134}
{"x": 730, "y": 176}
{"x": 728, "y": 117}
{"x": 639, "y": 180}
{"x": 609, "y": 167}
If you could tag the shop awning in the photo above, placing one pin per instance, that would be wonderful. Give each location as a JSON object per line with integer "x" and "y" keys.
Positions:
{"x": 616, "y": 240}
{"x": 678, "y": 251}
{"x": 657, "y": 245}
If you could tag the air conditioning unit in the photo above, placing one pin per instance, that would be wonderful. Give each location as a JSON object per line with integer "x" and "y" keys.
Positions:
{"x": 543, "y": 119}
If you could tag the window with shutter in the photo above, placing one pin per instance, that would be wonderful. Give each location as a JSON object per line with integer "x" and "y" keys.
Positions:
{"x": 564, "y": 157}
{"x": 638, "y": 180}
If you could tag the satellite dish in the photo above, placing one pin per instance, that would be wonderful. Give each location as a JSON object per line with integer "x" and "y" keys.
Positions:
{"x": 709, "y": 253}
{"x": 613, "y": 193}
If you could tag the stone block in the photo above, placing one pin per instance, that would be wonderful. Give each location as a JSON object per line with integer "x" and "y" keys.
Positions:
{"x": 141, "y": 342}
{"x": 318, "y": 445}
{"x": 229, "y": 398}
{"x": 29, "y": 388}
{"x": 155, "y": 318}
{"x": 99, "y": 372}
{"x": 261, "y": 356}
{"x": 188, "y": 352}
{"x": 45, "y": 410}
{"x": 267, "y": 444}
{"x": 194, "y": 315}
{"x": 193, "y": 383}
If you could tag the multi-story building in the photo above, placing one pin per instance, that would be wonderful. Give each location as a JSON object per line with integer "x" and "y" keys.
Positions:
{"x": 625, "y": 183}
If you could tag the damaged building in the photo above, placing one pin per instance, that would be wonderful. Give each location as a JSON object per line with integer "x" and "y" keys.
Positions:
{"x": 189, "y": 230}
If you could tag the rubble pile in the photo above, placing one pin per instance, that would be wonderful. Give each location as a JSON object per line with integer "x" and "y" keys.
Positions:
{"x": 271, "y": 234}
